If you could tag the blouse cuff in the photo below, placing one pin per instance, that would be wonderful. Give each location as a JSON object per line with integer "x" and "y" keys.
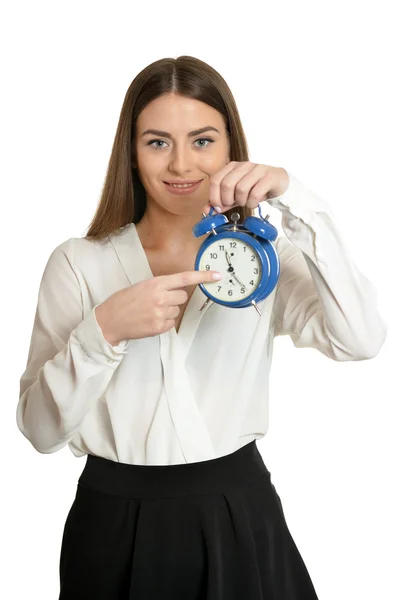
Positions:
{"x": 300, "y": 201}
{"x": 90, "y": 336}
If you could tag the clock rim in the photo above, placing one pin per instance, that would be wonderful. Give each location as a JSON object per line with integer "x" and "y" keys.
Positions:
{"x": 257, "y": 247}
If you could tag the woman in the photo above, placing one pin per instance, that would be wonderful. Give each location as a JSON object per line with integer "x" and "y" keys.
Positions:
{"x": 166, "y": 400}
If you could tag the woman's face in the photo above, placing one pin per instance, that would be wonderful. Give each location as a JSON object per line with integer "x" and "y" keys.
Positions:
{"x": 177, "y": 155}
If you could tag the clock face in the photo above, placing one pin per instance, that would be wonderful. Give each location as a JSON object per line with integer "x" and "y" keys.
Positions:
{"x": 238, "y": 262}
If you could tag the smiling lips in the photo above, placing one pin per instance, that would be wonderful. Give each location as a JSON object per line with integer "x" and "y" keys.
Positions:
{"x": 181, "y": 185}
{"x": 181, "y": 189}
{"x": 182, "y": 181}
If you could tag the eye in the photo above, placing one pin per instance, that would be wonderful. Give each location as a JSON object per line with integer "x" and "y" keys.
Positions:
{"x": 150, "y": 143}
{"x": 204, "y": 140}
{"x": 154, "y": 141}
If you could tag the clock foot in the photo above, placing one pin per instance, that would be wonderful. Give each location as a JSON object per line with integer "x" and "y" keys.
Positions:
{"x": 256, "y": 308}
{"x": 205, "y": 303}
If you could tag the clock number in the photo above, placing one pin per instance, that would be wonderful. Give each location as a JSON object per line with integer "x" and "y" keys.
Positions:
{"x": 219, "y": 288}
{"x": 213, "y": 255}
{"x": 230, "y": 292}
{"x": 251, "y": 282}
{"x": 256, "y": 271}
{"x": 253, "y": 258}
{"x": 207, "y": 267}
{"x": 221, "y": 247}
{"x": 233, "y": 244}
{"x": 245, "y": 248}
{"x": 242, "y": 290}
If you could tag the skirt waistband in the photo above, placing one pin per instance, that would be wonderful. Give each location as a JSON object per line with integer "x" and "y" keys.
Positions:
{"x": 121, "y": 479}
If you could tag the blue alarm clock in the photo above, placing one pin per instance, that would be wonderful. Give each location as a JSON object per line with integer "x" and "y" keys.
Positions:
{"x": 244, "y": 254}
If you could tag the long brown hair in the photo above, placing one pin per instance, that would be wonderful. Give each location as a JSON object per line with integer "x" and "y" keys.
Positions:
{"x": 123, "y": 197}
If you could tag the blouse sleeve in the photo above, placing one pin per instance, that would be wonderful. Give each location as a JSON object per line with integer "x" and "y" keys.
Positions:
{"x": 70, "y": 363}
{"x": 322, "y": 300}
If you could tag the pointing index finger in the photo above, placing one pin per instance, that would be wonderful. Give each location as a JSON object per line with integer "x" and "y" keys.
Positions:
{"x": 179, "y": 280}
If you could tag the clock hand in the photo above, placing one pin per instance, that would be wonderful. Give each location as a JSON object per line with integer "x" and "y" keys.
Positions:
{"x": 232, "y": 270}
{"x": 228, "y": 258}
{"x": 239, "y": 281}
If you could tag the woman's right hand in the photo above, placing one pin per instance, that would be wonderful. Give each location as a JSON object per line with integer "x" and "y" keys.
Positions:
{"x": 147, "y": 308}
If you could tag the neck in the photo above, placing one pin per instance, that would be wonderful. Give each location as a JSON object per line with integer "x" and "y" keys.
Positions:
{"x": 168, "y": 233}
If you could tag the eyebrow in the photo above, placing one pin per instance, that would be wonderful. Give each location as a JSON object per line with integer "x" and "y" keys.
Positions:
{"x": 190, "y": 134}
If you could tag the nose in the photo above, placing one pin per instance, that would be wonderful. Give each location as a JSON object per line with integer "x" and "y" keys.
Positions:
{"x": 181, "y": 160}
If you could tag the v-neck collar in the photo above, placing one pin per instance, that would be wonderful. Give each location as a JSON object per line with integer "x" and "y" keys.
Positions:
{"x": 189, "y": 424}
{"x": 133, "y": 258}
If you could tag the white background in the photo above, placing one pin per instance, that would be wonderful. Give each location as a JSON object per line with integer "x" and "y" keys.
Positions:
{"x": 316, "y": 86}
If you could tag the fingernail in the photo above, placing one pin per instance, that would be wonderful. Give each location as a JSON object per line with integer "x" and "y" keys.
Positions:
{"x": 217, "y": 276}
{"x": 218, "y": 209}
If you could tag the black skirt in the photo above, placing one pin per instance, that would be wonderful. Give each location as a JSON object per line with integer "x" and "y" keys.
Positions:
{"x": 211, "y": 530}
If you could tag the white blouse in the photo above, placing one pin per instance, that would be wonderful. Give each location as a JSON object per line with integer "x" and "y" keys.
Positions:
{"x": 200, "y": 393}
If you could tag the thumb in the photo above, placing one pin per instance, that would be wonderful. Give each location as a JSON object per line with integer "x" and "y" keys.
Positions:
{"x": 207, "y": 209}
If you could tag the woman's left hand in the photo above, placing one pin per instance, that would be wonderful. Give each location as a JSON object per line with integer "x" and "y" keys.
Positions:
{"x": 245, "y": 184}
